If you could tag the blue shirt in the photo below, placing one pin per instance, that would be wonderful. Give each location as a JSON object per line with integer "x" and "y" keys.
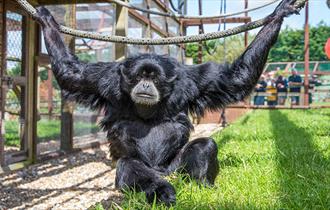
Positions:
{"x": 295, "y": 78}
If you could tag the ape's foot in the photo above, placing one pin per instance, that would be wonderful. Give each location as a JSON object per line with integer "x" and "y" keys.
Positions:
{"x": 164, "y": 193}
{"x": 45, "y": 18}
{"x": 285, "y": 9}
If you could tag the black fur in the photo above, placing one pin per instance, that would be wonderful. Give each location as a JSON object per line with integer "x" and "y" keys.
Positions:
{"x": 153, "y": 141}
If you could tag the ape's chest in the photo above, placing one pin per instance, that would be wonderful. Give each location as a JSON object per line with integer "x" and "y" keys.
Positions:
{"x": 154, "y": 143}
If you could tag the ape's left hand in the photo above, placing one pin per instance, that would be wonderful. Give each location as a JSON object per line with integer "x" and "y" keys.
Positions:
{"x": 45, "y": 18}
{"x": 285, "y": 9}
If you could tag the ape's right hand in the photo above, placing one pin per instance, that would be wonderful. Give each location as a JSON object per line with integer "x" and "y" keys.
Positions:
{"x": 45, "y": 18}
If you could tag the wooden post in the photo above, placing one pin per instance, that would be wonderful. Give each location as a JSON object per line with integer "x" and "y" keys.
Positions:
{"x": 50, "y": 93}
{"x": 22, "y": 95}
{"x": 246, "y": 34}
{"x": 2, "y": 42}
{"x": 121, "y": 30}
{"x": 200, "y": 44}
{"x": 306, "y": 80}
{"x": 67, "y": 107}
{"x": 31, "y": 96}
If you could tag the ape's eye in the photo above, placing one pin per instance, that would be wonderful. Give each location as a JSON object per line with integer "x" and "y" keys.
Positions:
{"x": 138, "y": 78}
{"x": 155, "y": 81}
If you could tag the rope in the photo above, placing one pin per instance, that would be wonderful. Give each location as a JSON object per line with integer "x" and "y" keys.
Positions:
{"x": 161, "y": 41}
{"x": 208, "y": 50}
{"x": 179, "y": 9}
{"x": 180, "y": 16}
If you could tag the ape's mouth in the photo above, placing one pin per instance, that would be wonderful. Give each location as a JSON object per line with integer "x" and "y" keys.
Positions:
{"x": 145, "y": 95}
{"x": 145, "y": 98}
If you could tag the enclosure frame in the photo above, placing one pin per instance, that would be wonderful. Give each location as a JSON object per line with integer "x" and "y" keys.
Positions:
{"x": 34, "y": 58}
{"x": 26, "y": 156}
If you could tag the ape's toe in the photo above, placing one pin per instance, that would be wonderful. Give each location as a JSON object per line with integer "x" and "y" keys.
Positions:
{"x": 164, "y": 193}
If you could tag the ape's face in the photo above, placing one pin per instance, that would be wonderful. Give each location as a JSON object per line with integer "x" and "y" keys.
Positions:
{"x": 146, "y": 90}
{"x": 147, "y": 81}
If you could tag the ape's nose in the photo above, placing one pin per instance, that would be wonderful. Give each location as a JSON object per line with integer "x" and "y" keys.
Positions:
{"x": 146, "y": 85}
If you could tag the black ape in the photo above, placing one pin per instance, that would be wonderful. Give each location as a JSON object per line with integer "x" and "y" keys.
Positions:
{"x": 146, "y": 99}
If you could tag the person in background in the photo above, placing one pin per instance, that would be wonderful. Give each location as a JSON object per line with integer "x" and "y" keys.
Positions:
{"x": 313, "y": 82}
{"x": 271, "y": 89}
{"x": 260, "y": 88}
{"x": 295, "y": 83}
{"x": 281, "y": 86}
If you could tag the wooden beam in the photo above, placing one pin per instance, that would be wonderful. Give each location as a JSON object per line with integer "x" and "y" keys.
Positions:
{"x": 31, "y": 96}
{"x": 2, "y": 91}
{"x": 267, "y": 107}
{"x": 146, "y": 21}
{"x": 121, "y": 28}
{"x": 197, "y": 22}
{"x": 52, "y": 2}
{"x": 246, "y": 34}
{"x": 67, "y": 107}
{"x": 306, "y": 49}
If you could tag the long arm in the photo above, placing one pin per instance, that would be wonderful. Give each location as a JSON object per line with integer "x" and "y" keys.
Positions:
{"x": 87, "y": 83}
{"x": 221, "y": 84}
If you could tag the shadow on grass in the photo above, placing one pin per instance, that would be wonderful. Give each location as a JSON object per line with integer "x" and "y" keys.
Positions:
{"x": 303, "y": 173}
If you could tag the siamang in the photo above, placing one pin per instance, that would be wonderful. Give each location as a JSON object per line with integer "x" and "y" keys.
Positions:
{"x": 146, "y": 99}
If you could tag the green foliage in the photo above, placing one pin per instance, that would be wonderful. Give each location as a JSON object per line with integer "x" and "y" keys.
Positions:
{"x": 234, "y": 47}
{"x": 290, "y": 44}
{"x": 192, "y": 51}
{"x": 227, "y": 50}
{"x": 43, "y": 74}
{"x": 268, "y": 160}
{"x": 15, "y": 71}
{"x": 289, "y": 47}
{"x": 87, "y": 57}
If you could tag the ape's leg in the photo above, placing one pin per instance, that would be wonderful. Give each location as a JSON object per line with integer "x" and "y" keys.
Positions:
{"x": 134, "y": 174}
{"x": 198, "y": 158}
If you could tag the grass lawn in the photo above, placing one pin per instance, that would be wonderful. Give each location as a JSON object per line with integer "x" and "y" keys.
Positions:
{"x": 268, "y": 160}
{"x": 47, "y": 130}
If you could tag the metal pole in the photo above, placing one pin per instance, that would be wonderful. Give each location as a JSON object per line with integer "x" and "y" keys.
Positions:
{"x": 306, "y": 81}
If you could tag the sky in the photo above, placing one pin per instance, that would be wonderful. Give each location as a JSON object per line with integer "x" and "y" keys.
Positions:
{"x": 318, "y": 11}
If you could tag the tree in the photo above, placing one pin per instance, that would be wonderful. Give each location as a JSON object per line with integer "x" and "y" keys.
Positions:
{"x": 227, "y": 50}
{"x": 290, "y": 44}
{"x": 234, "y": 47}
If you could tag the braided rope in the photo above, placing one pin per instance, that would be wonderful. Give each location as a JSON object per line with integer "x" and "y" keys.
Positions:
{"x": 161, "y": 41}
{"x": 171, "y": 14}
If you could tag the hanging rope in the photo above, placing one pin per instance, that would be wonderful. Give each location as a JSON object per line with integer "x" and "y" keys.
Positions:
{"x": 171, "y": 14}
{"x": 161, "y": 41}
{"x": 206, "y": 47}
{"x": 179, "y": 9}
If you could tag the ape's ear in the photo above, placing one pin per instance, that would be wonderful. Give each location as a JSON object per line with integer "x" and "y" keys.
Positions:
{"x": 124, "y": 75}
{"x": 172, "y": 79}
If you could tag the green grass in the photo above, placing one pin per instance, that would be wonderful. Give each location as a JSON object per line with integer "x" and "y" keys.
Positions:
{"x": 47, "y": 130}
{"x": 268, "y": 160}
